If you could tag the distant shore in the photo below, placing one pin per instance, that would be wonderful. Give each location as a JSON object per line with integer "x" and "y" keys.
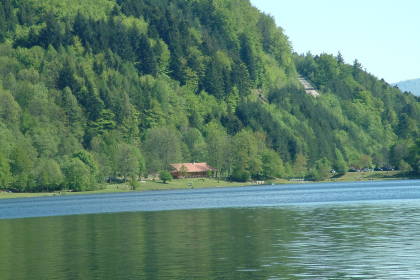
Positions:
{"x": 149, "y": 185}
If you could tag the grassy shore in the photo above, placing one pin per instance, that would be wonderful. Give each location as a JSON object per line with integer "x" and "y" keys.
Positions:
{"x": 211, "y": 182}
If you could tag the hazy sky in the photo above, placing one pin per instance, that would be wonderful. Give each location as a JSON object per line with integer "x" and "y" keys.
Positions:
{"x": 384, "y": 35}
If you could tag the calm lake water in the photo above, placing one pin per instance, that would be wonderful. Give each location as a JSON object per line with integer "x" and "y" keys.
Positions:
{"x": 360, "y": 230}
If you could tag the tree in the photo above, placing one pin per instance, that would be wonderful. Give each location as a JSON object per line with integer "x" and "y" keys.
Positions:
{"x": 48, "y": 175}
{"x": 365, "y": 161}
{"x": 9, "y": 109}
{"x": 328, "y": 69}
{"x": 66, "y": 77}
{"x": 272, "y": 165}
{"x": 403, "y": 166}
{"x": 67, "y": 38}
{"x": 8, "y": 19}
{"x": 340, "y": 59}
{"x": 322, "y": 168}
{"x": 73, "y": 112}
{"x": 147, "y": 64}
{"x": 340, "y": 166}
{"x": 288, "y": 171}
{"x": 413, "y": 156}
{"x": 127, "y": 160}
{"x": 78, "y": 177}
{"x": 161, "y": 148}
{"x": 142, "y": 163}
{"x": 300, "y": 165}
{"x": 184, "y": 170}
{"x": 51, "y": 33}
{"x": 134, "y": 183}
{"x": 164, "y": 175}
{"x": 246, "y": 160}
{"x": 357, "y": 70}
{"x": 213, "y": 80}
{"x": 397, "y": 152}
{"x": 119, "y": 40}
{"x": 87, "y": 159}
{"x": 196, "y": 145}
{"x": 407, "y": 127}
{"x": 5, "y": 175}
{"x": 217, "y": 146}
{"x": 24, "y": 14}
{"x": 247, "y": 56}
{"x": 21, "y": 167}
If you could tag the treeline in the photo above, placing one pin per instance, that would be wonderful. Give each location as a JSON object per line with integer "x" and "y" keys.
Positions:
{"x": 89, "y": 91}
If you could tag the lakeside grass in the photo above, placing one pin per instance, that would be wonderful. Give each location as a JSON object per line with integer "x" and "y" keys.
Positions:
{"x": 150, "y": 185}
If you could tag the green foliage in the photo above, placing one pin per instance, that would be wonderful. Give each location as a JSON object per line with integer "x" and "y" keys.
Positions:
{"x": 87, "y": 159}
{"x": 21, "y": 166}
{"x": 5, "y": 175}
{"x": 212, "y": 81}
{"x": 272, "y": 165}
{"x": 78, "y": 176}
{"x": 300, "y": 165}
{"x": 51, "y": 33}
{"x": 129, "y": 161}
{"x": 162, "y": 147}
{"x": 246, "y": 161}
{"x": 413, "y": 157}
{"x": 164, "y": 175}
{"x": 184, "y": 170}
{"x": 134, "y": 183}
{"x": 322, "y": 168}
{"x": 48, "y": 175}
{"x": 288, "y": 171}
{"x": 218, "y": 147}
{"x": 196, "y": 145}
{"x": 9, "y": 109}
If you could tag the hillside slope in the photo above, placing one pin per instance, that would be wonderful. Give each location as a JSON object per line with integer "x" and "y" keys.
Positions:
{"x": 98, "y": 89}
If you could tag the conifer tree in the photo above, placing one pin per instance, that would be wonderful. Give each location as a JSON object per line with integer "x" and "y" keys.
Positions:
{"x": 340, "y": 59}
{"x": 51, "y": 33}
{"x": 247, "y": 56}
{"x": 147, "y": 64}
{"x": 24, "y": 14}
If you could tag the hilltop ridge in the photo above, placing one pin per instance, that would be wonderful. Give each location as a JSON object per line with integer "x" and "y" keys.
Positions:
{"x": 412, "y": 86}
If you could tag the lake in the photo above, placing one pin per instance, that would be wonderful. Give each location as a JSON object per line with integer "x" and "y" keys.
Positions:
{"x": 357, "y": 230}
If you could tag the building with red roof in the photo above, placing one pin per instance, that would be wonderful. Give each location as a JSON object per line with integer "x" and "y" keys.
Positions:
{"x": 191, "y": 170}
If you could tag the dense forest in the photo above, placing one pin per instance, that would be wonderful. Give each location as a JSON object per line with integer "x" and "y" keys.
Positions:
{"x": 90, "y": 90}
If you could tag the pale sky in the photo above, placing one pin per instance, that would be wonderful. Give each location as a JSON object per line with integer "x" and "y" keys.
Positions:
{"x": 383, "y": 35}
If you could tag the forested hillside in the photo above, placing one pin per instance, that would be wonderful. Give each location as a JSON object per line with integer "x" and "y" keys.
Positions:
{"x": 97, "y": 89}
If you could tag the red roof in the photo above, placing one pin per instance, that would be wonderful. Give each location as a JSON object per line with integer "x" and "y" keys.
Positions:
{"x": 193, "y": 167}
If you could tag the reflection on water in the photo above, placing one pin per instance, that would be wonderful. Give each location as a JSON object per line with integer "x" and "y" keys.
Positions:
{"x": 375, "y": 240}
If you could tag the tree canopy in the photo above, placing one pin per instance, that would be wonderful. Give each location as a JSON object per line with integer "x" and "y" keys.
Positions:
{"x": 94, "y": 90}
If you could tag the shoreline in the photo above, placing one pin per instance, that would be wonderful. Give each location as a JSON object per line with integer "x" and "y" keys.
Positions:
{"x": 150, "y": 185}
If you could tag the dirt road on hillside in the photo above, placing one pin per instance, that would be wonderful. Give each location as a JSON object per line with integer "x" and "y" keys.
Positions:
{"x": 308, "y": 87}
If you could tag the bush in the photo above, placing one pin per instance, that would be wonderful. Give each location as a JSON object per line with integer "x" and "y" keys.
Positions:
{"x": 240, "y": 175}
{"x": 164, "y": 175}
{"x": 134, "y": 183}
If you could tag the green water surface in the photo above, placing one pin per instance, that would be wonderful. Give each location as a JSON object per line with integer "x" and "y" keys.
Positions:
{"x": 333, "y": 241}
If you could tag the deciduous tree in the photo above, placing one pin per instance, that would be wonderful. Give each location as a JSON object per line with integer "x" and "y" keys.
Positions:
{"x": 162, "y": 147}
{"x": 246, "y": 160}
{"x": 164, "y": 175}
{"x": 272, "y": 165}
{"x": 5, "y": 175}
